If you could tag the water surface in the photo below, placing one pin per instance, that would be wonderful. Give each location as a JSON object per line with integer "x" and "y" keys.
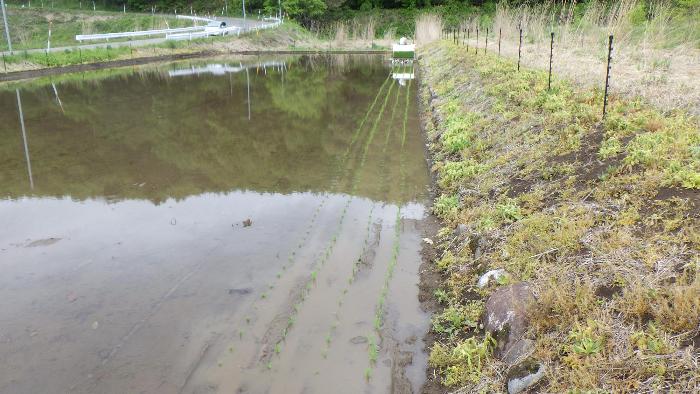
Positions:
{"x": 223, "y": 225}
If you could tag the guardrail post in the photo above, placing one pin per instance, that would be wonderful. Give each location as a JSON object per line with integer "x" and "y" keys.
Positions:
{"x": 607, "y": 76}
{"x": 476, "y": 47}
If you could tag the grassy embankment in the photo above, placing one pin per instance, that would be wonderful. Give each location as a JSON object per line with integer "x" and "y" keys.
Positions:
{"x": 600, "y": 217}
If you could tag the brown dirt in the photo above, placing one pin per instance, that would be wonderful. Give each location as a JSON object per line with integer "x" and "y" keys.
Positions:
{"x": 430, "y": 278}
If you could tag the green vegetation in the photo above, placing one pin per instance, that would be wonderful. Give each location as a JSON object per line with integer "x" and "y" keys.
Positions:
{"x": 29, "y": 27}
{"x": 601, "y": 217}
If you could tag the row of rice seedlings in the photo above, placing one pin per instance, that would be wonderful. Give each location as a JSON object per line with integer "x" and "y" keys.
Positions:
{"x": 321, "y": 262}
{"x": 402, "y": 163}
{"x": 373, "y": 348}
{"x": 373, "y": 130}
{"x": 291, "y": 258}
{"x": 390, "y": 128}
{"x": 356, "y": 265}
{"x": 349, "y": 282}
{"x": 379, "y": 309}
{"x": 318, "y": 265}
{"x": 364, "y": 119}
{"x": 405, "y": 112}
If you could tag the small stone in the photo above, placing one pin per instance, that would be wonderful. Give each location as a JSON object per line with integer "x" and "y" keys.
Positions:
{"x": 461, "y": 229}
{"x": 358, "y": 340}
{"x": 519, "y": 384}
{"x": 493, "y": 274}
{"x": 428, "y": 241}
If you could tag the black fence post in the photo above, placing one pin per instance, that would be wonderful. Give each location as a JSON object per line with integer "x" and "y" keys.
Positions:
{"x": 487, "y": 40}
{"x": 520, "y": 45}
{"x": 476, "y": 48}
{"x": 499, "y": 41}
{"x": 551, "y": 52}
{"x": 469, "y": 30}
{"x": 4, "y": 62}
{"x": 607, "y": 75}
{"x": 80, "y": 54}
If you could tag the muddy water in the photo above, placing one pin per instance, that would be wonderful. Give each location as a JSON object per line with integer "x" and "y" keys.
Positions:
{"x": 231, "y": 225}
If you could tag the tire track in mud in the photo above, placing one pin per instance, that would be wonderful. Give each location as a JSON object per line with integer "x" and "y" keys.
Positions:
{"x": 297, "y": 290}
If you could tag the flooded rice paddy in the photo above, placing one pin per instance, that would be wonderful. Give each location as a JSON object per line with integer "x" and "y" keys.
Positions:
{"x": 232, "y": 225}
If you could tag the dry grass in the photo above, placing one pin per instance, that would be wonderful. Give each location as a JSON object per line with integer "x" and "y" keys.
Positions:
{"x": 428, "y": 28}
{"x": 656, "y": 59}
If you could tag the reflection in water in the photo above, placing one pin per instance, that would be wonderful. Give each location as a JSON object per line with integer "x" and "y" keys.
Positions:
{"x": 58, "y": 99}
{"x": 196, "y": 133}
{"x": 176, "y": 222}
{"x": 24, "y": 140}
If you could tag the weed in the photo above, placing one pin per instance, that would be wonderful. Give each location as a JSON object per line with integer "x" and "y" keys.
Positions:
{"x": 458, "y": 317}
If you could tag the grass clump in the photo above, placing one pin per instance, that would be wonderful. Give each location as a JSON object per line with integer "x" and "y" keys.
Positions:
{"x": 462, "y": 363}
{"x": 458, "y": 317}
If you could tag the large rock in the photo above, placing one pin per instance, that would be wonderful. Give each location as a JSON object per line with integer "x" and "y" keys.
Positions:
{"x": 506, "y": 319}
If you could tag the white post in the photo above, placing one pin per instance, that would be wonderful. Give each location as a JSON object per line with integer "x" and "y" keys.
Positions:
{"x": 279, "y": 5}
{"x": 48, "y": 42}
{"x": 244, "y": 22}
{"x": 24, "y": 138}
{"x": 93, "y": 5}
{"x": 124, "y": 10}
{"x": 55, "y": 91}
{"x": 247, "y": 78}
{"x": 7, "y": 28}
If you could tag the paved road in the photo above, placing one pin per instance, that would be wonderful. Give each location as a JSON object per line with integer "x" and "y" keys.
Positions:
{"x": 248, "y": 23}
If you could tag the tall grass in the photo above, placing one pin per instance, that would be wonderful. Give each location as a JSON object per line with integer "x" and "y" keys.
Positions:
{"x": 428, "y": 28}
{"x": 656, "y": 47}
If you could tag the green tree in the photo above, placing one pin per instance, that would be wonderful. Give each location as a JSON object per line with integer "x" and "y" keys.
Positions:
{"x": 304, "y": 10}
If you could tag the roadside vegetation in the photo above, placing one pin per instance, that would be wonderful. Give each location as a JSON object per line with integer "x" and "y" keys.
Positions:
{"x": 29, "y": 27}
{"x": 601, "y": 218}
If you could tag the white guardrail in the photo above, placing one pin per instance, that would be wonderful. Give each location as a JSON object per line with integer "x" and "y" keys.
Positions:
{"x": 223, "y": 31}
{"x": 107, "y": 36}
{"x": 181, "y": 33}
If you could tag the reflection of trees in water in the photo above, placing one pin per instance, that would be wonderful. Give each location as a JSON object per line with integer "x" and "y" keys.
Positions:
{"x": 152, "y": 137}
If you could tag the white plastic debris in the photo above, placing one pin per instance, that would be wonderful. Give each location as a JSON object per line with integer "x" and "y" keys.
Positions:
{"x": 428, "y": 241}
{"x": 493, "y": 274}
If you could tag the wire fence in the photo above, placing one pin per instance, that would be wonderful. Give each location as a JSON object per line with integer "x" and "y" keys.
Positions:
{"x": 461, "y": 36}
